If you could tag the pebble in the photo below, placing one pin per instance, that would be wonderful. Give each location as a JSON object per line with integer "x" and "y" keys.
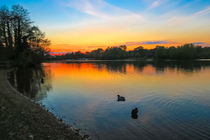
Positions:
{"x": 11, "y": 134}
{"x": 31, "y": 137}
{"x": 3, "y": 108}
{"x": 86, "y": 136}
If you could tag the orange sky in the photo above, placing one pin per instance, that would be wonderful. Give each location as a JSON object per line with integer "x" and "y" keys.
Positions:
{"x": 93, "y": 37}
{"x": 84, "y": 25}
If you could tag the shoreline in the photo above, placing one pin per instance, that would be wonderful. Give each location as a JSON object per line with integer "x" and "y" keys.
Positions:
{"x": 123, "y": 60}
{"x": 21, "y": 118}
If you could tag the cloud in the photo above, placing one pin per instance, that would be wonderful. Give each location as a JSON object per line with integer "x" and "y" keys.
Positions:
{"x": 197, "y": 43}
{"x": 202, "y": 12}
{"x": 102, "y": 10}
{"x": 182, "y": 19}
{"x": 201, "y": 43}
{"x": 99, "y": 8}
{"x": 148, "y": 43}
{"x": 90, "y": 7}
{"x": 155, "y": 4}
{"x": 162, "y": 42}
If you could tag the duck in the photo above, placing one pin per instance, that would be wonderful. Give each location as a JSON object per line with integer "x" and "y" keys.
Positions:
{"x": 120, "y": 98}
{"x": 134, "y": 113}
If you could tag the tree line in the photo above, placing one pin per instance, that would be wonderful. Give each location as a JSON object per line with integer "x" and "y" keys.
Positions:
{"x": 20, "y": 40}
{"x": 184, "y": 52}
{"x": 25, "y": 43}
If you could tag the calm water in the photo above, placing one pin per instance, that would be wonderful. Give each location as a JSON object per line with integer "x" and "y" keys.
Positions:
{"x": 173, "y": 98}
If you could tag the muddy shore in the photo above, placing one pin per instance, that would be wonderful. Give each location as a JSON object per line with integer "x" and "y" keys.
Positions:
{"x": 22, "y": 119}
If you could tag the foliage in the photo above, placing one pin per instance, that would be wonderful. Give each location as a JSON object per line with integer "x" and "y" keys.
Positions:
{"x": 185, "y": 52}
{"x": 25, "y": 42}
{"x": 115, "y": 53}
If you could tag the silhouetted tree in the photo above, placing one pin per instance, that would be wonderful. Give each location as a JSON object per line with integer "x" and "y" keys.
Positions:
{"x": 115, "y": 53}
{"x": 26, "y": 42}
{"x": 160, "y": 52}
{"x": 123, "y": 47}
{"x": 187, "y": 51}
{"x": 139, "y": 52}
{"x": 97, "y": 54}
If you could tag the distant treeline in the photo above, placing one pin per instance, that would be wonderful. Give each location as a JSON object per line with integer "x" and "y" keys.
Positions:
{"x": 20, "y": 41}
{"x": 187, "y": 51}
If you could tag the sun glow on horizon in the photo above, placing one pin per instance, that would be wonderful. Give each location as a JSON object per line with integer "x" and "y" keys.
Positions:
{"x": 85, "y": 25}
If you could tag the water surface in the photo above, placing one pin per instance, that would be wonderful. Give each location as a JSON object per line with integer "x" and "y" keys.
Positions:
{"x": 173, "y": 98}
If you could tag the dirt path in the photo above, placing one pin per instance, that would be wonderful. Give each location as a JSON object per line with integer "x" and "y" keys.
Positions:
{"x": 21, "y": 119}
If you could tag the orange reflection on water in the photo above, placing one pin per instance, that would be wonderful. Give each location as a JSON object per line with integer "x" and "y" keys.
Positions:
{"x": 94, "y": 78}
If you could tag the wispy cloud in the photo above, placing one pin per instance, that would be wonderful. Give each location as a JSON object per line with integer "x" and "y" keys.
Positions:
{"x": 200, "y": 43}
{"x": 99, "y": 8}
{"x": 104, "y": 11}
{"x": 101, "y": 23}
{"x": 163, "y": 42}
{"x": 182, "y": 19}
{"x": 197, "y": 43}
{"x": 155, "y": 4}
{"x": 148, "y": 43}
{"x": 202, "y": 12}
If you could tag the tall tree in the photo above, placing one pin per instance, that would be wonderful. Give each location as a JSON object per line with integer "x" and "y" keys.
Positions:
{"x": 4, "y": 27}
{"x": 21, "y": 25}
{"x": 18, "y": 33}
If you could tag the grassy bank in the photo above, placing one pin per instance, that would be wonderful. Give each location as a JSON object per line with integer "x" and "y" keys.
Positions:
{"x": 24, "y": 120}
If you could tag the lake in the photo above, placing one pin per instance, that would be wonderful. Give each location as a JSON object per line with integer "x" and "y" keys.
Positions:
{"x": 173, "y": 98}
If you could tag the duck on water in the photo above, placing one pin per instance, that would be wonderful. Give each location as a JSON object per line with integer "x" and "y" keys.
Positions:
{"x": 120, "y": 98}
{"x": 134, "y": 113}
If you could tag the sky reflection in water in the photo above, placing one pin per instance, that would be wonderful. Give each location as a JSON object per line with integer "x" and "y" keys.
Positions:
{"x": 173, "y": 99}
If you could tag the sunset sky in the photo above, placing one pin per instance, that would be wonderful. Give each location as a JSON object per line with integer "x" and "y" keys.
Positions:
{"x": 85, "y": 25}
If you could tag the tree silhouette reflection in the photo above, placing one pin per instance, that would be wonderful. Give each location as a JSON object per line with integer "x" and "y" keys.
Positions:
{"x": 32, "y": 82}
{"x": 159, "y": 66}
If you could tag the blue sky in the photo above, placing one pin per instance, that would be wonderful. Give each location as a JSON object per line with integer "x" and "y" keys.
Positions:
{"x": 86, "y": 24}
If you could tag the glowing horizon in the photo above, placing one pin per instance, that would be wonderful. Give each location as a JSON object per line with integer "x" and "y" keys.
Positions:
{"x": 84, "y": 25}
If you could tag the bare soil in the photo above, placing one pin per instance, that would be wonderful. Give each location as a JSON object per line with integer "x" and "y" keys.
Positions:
{"x": 22, "y": 119}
